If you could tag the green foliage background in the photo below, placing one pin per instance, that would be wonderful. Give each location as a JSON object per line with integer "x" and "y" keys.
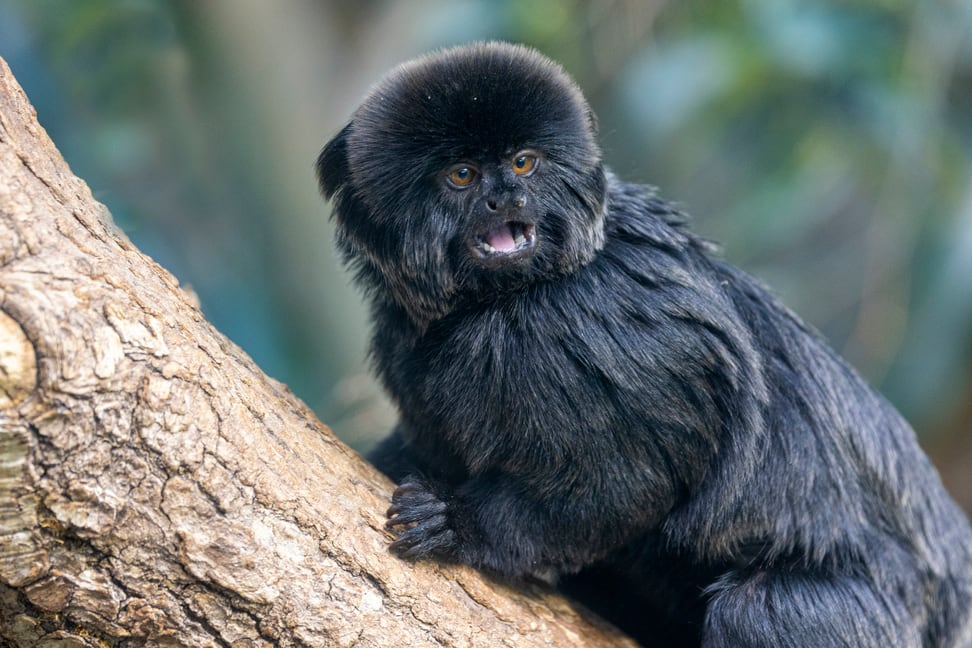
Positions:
{"x": 827, "y": 145}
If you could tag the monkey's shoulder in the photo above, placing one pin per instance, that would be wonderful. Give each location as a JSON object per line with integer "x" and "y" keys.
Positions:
{"x": 636, "y": 213}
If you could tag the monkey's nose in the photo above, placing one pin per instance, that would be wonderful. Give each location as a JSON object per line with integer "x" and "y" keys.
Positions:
{"x": 516, "y": 202}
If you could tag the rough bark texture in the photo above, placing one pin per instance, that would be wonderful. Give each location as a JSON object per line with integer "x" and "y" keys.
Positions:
{"x": 157, "y": 489}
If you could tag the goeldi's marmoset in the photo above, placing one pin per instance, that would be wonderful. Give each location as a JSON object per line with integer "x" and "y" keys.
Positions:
{"x": 588, "y": 394}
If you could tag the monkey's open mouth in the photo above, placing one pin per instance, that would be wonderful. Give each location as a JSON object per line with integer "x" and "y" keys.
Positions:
{"x": 507, "y": 239}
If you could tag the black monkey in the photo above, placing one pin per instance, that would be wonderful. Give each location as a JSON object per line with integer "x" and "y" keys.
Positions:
{"x": 588, "y": 394}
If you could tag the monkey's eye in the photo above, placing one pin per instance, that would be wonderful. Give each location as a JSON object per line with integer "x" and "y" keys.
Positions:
{"x": 461, "y": 176}
{"x": 524, "y": 164}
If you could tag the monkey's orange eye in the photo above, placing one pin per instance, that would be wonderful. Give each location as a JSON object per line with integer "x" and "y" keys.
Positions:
{"x": 524, "y": 163}
{"x": 461, "y": 176}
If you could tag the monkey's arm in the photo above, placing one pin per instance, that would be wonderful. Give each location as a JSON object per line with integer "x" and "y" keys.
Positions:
{"x": 505, "y": 524}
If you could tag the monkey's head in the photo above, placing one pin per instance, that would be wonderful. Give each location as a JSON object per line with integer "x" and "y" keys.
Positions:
{"x": 466, "y": 173}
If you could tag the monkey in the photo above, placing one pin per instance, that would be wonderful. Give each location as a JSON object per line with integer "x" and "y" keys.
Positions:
{"x": 590, "y": 395}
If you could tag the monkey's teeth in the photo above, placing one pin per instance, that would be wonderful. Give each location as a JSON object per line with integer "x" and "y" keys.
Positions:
{"x": 508, "y": 239}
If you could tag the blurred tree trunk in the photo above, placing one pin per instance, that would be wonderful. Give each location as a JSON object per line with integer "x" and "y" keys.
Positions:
{"x": 156, "y": 488}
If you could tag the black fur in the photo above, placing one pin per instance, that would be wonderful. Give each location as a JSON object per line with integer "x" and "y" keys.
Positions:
{"x": 615, "y": 407}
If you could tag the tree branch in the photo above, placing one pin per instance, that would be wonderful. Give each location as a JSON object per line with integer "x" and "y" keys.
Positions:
{"x": 156, "y": 488}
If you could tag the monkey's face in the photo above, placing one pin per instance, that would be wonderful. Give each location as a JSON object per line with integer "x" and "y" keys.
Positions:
{"x": 466, "y": 173}
{"x": 498, "y": 197}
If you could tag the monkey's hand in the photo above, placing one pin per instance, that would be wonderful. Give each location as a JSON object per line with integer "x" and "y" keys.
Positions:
{"x": 425, "y": 521}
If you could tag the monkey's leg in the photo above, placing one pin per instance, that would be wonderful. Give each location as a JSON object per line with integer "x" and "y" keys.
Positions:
{"x": 393, "y": 457}
{"x": 802, "y": 609}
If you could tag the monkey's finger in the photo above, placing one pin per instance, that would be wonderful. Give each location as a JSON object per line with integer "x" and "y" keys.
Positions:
{"x": 399, "y": 507}
{"x": 410, "y": 486}
{"x": 413, "y": 500}
{"x": 420, "y": 541}
{"x": 425, "y": 512}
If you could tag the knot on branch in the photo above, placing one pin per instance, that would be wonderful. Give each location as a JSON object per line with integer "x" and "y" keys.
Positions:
{"x": 18, "y": 368}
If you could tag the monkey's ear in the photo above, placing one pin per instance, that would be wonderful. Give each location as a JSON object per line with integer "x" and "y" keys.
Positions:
{"x": 592, "y": 121}
{"x": 332, "y": 164}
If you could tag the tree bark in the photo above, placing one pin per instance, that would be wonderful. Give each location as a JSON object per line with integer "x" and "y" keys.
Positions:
{"x": 157, "y": 489}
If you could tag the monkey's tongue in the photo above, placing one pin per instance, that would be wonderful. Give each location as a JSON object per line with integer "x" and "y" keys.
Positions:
{"x": 502, "y": 239}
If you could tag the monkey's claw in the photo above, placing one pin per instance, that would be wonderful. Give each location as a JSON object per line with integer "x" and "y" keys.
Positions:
{"x": 414, "y": 503}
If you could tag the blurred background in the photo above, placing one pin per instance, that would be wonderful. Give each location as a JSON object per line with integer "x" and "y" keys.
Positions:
{"x": 827, "y": 145}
